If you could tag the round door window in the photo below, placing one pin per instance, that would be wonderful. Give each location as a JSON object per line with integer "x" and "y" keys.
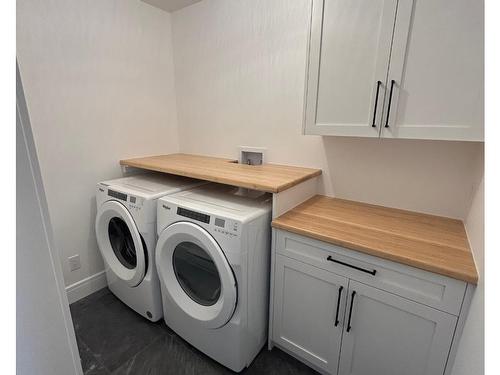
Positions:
{"x": 197, "y": 273}
{"x": 122, "y": 242}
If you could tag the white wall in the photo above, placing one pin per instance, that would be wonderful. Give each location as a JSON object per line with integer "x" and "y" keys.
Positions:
{"x": 470, "y": 355}
{"x": 239, "y": 71}
{"x": 99, "y": 81}
{"x": 99, "y": 85}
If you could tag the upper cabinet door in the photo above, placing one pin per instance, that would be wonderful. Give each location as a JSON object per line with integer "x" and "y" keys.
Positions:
{"x": 349, "y": 51}
{"x": 437, "y": 69}
{"x": 387, "y": 334}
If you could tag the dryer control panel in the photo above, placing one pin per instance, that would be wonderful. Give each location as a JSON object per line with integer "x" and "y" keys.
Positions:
{"x": 132, "y": 202}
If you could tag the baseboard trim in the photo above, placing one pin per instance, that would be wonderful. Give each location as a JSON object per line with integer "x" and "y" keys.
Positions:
{"x": 83, "y": 288}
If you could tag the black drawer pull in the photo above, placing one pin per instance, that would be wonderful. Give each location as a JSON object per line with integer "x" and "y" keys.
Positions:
{"x": 350, "y": 312}
{"x": 372, "y": 272}
{"x": 389, "y": 106}
{"x": 338, "y": 306}
{"x": 374, "y": 122}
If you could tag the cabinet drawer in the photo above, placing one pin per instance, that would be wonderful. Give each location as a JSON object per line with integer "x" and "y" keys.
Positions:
{"x": 440, "y": 292}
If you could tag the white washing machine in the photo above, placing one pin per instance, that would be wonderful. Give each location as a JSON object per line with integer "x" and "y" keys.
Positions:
{"x": 126, "y": 234}
{"x": 212, "y": 258}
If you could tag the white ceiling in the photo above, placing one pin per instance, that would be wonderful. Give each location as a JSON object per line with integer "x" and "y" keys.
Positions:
{"x": 171, "y": 5}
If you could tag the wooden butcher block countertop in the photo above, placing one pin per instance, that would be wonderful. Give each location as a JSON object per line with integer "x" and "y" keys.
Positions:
{"x": 432, "y": 243}
{"x": 271, "y": 178}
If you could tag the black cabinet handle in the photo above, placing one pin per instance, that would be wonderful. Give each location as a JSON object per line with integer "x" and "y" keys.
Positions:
{"x": 338, "y": 306}
{"x": 350, "y": 312}
{"x": 371, "y": 272}
{"x": 374, "y": 125}
{"x": 389, "y": 106}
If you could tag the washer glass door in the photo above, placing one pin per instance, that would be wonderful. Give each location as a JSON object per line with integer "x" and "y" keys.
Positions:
{"x": 120, "y": 243}
{"x": 196, "y": 275}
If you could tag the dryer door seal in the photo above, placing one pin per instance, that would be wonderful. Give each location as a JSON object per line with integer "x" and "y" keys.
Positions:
{"x": 120, "y": 242}
{"x": 196, "y": 275}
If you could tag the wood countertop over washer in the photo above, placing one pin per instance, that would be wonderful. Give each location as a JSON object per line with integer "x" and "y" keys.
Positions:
{"x": 272, "y": 178}
{"x": 432, "y": 243}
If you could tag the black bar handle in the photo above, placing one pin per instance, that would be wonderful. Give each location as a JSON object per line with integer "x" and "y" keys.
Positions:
{"x": 374, "y": 125}
{"x": 338, "y": 306}
{"x": 390, "y": 102}
{"x": 372, "y": 272}
{"x": 350, "y": 312}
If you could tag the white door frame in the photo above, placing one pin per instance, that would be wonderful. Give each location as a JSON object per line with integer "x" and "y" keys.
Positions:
{"x": 55, "y": 356}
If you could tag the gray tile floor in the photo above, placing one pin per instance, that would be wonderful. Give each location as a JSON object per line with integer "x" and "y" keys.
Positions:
{"x": 113, "y": 339}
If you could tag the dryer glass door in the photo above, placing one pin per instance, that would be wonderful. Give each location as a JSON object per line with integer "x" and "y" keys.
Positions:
{"x": 195, "y": 274}
{"x": 120, "y": 243}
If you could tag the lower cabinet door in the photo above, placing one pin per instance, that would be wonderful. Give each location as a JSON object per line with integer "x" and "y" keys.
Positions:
{"x": 388, "y": 335}
{"x": 309, "y": 308}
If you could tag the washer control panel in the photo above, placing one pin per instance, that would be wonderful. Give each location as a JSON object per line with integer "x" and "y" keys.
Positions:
{"x": 226, "y": 227}
{"x": 198, "y": 216}
{"x": 170, "y": 212}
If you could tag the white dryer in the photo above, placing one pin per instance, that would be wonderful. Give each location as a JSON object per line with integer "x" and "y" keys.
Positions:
{"x": 126, "y": 235}
{"x": 212, "y": 258}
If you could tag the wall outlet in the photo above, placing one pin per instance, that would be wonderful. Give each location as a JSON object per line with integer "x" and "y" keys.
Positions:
{"x": 74, "y": 262}
{"x": 252, "y": 155}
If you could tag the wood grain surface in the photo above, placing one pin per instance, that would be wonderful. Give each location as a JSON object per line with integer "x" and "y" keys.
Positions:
{"x": 272, "y": 178}
{"x": 428, "y": 242}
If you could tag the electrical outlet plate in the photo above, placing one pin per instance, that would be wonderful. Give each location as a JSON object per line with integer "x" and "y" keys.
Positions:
{"x": 252, "y": 155}
{"x": 74, "y": 262}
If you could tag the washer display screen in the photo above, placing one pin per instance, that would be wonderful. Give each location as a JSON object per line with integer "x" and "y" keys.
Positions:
{"x": 193, "y": 215}
{"x": 219, "y": 222}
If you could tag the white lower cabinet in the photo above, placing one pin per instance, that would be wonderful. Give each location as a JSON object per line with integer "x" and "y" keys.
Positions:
{"x": 333, "y": 320}
{"x": 309, "y": 312}
{"x": 390, "y": 335}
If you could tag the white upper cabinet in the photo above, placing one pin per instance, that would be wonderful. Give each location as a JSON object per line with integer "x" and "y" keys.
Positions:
{"x": 396, "y": 69}
{"x": 437, "y": 69}
{"x": 349, "y": 54}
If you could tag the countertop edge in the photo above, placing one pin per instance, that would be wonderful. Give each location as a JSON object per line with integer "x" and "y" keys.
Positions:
{"x": 467, "y": 277}
{"x": 255, "y": 185}
{"x": 465, "y": 273}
